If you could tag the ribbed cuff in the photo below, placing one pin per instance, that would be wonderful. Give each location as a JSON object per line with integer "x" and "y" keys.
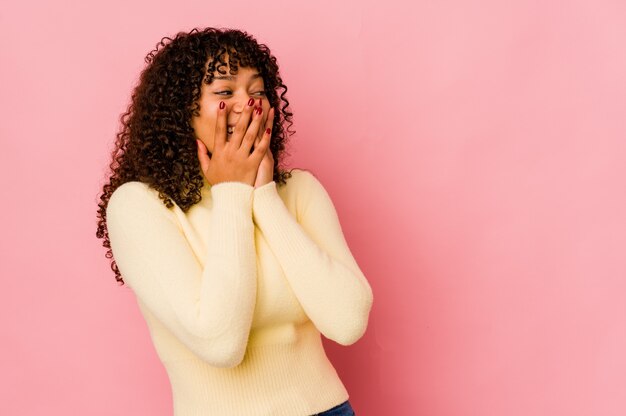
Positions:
{"x": 280, "y": 226}
{"x": 265, "y": 188}
{"x": 267, "y": 206}
{"x": 233, "y": 196}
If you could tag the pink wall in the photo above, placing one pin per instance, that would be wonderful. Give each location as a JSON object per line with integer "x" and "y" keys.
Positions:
{"x": 474, "y": 150}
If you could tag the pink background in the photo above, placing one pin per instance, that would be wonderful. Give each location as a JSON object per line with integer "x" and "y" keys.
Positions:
{"x": 475, "y": 153}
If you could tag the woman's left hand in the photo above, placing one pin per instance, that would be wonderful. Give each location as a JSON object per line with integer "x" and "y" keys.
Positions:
{"x": 265, "y": 174}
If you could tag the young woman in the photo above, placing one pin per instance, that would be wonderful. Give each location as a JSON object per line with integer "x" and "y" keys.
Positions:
{"x": 237, "y": 265}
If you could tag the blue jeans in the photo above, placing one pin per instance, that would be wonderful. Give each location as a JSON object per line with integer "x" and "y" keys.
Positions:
{"x": 343, "y": 409}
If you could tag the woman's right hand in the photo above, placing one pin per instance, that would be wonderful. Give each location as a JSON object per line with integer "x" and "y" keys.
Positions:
{"x": 231, "y": 160}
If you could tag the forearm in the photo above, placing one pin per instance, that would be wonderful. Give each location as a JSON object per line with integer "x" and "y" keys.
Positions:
{"x": 205, "y": 301}
{"x": 228, "y": 288}
{"x": 318, "y": 265}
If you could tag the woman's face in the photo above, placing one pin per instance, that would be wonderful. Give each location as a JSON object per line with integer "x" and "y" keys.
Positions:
{"x": 235, "y": 90}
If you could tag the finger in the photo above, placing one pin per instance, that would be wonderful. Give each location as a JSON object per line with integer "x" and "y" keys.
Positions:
{"x": 203, "y": 157}
{"x": 220, "y": 128}
{"x": 262, "y": 148}
{"x": 267, "y": 123}
{"x": 253, "y": 128}
{"x": 259, "y": 134}
{"x": 257, "y": 139}
{"x": 242, "y": 125}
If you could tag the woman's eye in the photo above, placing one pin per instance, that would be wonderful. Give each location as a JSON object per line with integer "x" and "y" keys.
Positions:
{"x": 229, "y": 92}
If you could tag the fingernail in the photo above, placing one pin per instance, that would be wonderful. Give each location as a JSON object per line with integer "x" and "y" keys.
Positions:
{"x": 222, "y": 105}
{"x": 251, "y": 102}
{"x": 268, "y": 130}
{"x": 259, "y": 110}
{"x": 260, "y": 102}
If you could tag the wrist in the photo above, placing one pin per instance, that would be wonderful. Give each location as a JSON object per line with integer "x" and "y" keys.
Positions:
{"x": 262, "y": 184}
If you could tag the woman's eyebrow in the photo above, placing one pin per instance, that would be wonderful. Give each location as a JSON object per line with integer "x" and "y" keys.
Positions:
{"x": 232, "y": 77}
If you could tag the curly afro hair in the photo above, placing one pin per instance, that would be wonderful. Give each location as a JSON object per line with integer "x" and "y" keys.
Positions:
{"x": 156, "y": 143}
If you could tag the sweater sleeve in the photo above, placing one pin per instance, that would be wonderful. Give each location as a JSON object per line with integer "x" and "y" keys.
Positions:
{"x": 315, "y": 257}
{"x": 208, "y": 307}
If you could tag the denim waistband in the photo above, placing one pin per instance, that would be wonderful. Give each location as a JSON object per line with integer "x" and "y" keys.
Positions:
{"x": 343, "y": 409}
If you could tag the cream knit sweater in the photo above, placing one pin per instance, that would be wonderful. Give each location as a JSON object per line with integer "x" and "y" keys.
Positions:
{"x": 236, "y": 292}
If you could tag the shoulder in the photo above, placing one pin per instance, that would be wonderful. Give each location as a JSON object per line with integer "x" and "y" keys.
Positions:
{"x": 132, "y": 198}
{"x": 306, "y": 190}
{"x": 132, "y": 192}
{"x": 302, "y": 184}
{"x": 301, "y": 179}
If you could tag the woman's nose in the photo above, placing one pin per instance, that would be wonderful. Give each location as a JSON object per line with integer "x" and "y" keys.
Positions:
{"x": 242, "y": 102}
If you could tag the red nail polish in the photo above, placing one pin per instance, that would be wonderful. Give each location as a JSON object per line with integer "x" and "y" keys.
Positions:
{"x": 222, "y": 105}
{"x": 259, "y": 110}
{"x": 251, "y": 102}
{"x": 260, "y": 102}
{"x": 268, "y": 130}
